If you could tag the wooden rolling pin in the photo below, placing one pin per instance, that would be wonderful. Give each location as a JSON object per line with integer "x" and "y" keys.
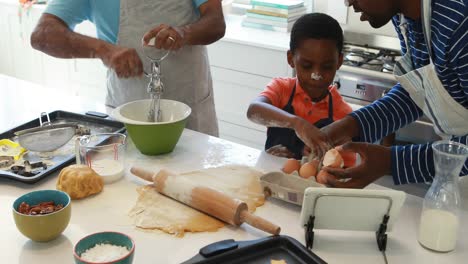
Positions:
{"x": 207, "y": 200}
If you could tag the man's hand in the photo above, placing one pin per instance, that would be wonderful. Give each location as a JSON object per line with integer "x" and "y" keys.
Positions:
{"x": 166, "y": 37}
{"x": 124, "y": 61}
{"x": 312, "y": 137}
{"x": 375, "y": 163}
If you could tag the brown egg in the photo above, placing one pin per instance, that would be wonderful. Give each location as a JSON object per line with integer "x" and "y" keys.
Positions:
{"x": 309, "y": 169}
{"x": 291, "y": 165}
{"x": 322, "y": 177}
{"x": 333, "y": 159}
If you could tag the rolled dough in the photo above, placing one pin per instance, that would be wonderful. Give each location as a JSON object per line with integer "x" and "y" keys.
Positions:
{"x": 156, "y": 211}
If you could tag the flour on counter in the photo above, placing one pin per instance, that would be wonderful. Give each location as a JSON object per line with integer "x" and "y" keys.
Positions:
{"x": 104, "y": 253}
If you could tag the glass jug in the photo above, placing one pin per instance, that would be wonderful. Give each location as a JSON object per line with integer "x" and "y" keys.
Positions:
{"x": 439, "y": 224}
{"x": 104, "y": 153}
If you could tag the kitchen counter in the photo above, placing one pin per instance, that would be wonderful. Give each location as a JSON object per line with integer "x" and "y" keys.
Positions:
{"x": 108, "y": 210}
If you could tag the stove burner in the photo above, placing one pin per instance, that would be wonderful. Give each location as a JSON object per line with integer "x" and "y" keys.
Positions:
{"x": 388, "y": 67}
{"x": 369, "y": 58}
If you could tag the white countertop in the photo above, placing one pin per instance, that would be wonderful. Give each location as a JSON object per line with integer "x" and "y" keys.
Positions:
{"x": 108, "y": 210}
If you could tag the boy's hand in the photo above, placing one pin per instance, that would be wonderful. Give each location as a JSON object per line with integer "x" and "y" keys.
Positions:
{"x": 280, "y": 151}
{"x": 312, "y": 137}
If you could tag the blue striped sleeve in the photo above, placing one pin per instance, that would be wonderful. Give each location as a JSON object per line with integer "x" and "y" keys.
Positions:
{"x": 386, "y": 115}
{"x": 458, "y": 59}
{"x": 415, "y": 163}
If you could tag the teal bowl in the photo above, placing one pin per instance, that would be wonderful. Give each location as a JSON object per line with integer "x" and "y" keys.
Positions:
{"x": 108, "y": 237}
{"x": 43, "y": 228}
{"x": 153, "y": 138}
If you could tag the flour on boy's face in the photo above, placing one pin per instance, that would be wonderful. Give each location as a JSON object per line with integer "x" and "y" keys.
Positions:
{"x": 316, "y": 62}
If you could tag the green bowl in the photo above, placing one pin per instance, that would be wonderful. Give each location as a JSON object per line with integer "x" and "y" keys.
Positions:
{"x": 108, "y": 237}
{"x": 42, "y": 228}
{"x": 153, "y": 138}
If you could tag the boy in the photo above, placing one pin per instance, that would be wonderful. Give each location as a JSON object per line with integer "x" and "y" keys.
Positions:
{"x": 288, "y": 105}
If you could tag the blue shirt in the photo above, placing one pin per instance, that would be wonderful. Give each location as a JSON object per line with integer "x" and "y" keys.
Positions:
{"x": 105, "y": 14}
{"x": 449, "y": 40}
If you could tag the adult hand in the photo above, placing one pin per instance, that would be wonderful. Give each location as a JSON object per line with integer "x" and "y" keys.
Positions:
{"x": 166, "y": 37}
{"x": 312, "y": 137}
{"x": 280, "y": 151}
{"x": 124, "y": 61}
{"x": 375, "y": 163}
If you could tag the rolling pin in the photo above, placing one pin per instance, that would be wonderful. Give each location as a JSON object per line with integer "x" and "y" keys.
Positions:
{"x": 207, "y": 200}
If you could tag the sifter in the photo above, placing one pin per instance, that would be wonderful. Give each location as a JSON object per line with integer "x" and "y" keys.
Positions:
{"x": 48, "y": 137}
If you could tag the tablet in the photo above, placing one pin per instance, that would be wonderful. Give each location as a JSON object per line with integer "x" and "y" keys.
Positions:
{"x": 351, "y": 209}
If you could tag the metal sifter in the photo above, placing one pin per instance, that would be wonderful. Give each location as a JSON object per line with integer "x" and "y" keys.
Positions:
{"x": 155, "y": 86}
{"x": 49, "y": 137}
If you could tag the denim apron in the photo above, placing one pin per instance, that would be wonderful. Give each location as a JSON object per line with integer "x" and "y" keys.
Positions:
{"x": 186, "y": 72}
{"x": 287, "y": 137}
{"x": 424, "y": 87}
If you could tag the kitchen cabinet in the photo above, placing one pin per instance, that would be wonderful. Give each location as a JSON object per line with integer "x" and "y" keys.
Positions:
{"x": 82, "y": 77}
{"x": 18, "y": 57}
{"x": 238, "y": 78}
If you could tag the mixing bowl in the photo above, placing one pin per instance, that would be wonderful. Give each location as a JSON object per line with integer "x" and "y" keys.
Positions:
{"x": 45, "y": 227}
{"x": 153, "y": 138}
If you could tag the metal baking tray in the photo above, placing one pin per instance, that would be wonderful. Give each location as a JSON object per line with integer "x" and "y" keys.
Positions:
{"x": 262, "y": 250}
{"x": 64, "y": 155}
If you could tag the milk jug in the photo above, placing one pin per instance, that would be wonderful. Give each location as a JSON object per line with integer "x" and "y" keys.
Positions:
{"x": 439, "y": 225}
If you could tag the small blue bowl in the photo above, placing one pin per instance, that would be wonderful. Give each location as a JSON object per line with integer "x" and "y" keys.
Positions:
{"x": 43, "y": 228}
{"x": 108, "y": 237}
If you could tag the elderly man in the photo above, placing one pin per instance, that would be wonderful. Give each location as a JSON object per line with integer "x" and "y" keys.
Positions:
{"x": 123, "y": 27}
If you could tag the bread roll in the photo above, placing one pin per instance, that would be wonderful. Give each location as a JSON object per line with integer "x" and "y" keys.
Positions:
{"x": 79, "y": 181}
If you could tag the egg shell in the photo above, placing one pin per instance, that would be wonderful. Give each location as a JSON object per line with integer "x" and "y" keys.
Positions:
{"x": 333, "y": 159}
{"x": 309, "y": 169}
{"x": 291, "y": 165}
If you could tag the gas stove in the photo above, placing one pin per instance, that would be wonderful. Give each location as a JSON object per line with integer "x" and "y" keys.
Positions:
{"x": 380, "y": 60}
{"x": 367, "y": 70}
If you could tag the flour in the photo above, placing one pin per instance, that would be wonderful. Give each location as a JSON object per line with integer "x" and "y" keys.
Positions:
{"x": 104, "y": 253}
{"x": 257, "y": 118}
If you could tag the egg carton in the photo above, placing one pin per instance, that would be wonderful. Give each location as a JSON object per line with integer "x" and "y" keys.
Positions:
{"x": 287, "y": 187}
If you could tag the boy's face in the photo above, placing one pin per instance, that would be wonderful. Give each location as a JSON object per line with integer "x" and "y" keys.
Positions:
{"x": 318, "y": 57}
{"x": 378, "y": 13}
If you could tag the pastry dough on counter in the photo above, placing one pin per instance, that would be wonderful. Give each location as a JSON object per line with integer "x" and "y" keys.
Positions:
{"x": 79, "y": 181}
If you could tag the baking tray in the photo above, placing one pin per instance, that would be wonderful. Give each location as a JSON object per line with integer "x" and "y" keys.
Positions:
{"x": 64, "y": 155}
{"x": 260, "y": 251}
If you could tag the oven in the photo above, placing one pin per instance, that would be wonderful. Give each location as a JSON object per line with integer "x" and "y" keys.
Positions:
{"x": 367, "y": 74}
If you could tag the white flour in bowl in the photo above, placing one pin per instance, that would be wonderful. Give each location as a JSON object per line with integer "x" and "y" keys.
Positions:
{"x": 104, "y": 253}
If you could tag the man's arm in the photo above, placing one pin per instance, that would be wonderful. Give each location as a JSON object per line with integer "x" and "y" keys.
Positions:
{"x": 209, "y": 28}
{"x": 53, "y": 37}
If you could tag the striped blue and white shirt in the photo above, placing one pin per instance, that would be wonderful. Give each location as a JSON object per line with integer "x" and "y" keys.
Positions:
{"x": 449, "y": 38}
